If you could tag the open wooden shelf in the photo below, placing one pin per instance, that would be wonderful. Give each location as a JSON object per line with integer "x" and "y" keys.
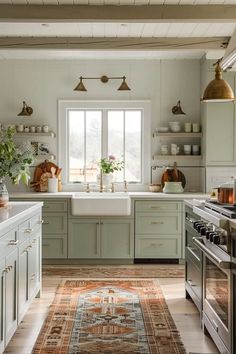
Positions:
{"x": 23, "y": 134}
{"x": 178, "y": 157}
{"x": 178, "y": 135}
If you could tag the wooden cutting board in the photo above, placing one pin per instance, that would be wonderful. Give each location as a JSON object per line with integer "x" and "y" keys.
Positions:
{"x": 41, "y": 174}
{"x": 173, "y": 175}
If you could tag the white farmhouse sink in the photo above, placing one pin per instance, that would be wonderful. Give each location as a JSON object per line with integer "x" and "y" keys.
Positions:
{"x": 100, "y": 204}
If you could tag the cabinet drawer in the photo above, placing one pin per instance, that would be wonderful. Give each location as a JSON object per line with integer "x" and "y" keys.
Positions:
{"x": 54, "y": 205}
{"x": 29, "y": 227}
{"x": 158, "y": 224}
{"x": 55, "y": 223}
{"x": 54, "y": 246}
{"x": 8, "y": 242}
{"x": 155, "y": 206}
{"x": 155, "y": 247}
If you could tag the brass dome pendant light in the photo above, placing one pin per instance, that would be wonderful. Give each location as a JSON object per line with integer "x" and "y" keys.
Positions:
{"x": 218, "y": 90}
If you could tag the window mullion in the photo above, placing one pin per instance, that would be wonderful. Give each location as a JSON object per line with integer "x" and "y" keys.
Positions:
{"x": 124, "y": 133}
{"x": 85, "y": 146}
{"x": 104, "y": 133}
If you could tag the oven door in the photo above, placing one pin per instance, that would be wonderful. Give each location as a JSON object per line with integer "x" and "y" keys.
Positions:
{"x": 216, "y": 296}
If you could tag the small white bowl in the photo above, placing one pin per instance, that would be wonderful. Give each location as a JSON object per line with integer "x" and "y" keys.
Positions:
{"x": 175, "y": 126}
{"x": 163, "y": 129}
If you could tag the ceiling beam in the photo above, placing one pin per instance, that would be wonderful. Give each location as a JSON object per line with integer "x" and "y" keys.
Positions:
{"x": 112, "y": 13}
{"x": 162, "y": 43}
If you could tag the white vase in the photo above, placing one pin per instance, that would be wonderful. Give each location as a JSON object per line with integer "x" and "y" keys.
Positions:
{"x": 107, "y": 179}
{"x": 4, "y": 196}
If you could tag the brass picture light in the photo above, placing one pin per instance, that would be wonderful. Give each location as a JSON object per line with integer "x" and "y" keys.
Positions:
{"x": 26, "y": 110}
{"x": 218, "y": 90}
{"x": 104, "y": 79}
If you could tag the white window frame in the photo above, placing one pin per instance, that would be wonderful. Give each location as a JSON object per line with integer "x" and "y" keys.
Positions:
{"x": 65, "y": 105}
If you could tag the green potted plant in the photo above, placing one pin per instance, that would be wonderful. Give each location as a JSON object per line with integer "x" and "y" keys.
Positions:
{"x": 14, "y": 162}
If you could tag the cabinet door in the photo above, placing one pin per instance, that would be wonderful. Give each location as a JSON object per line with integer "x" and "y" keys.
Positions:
{"x": 117, "y": 239}
{"x": 23, "y": 285}
{"x": 34, "y": 264}
{"x": 55, "y": 223}
{"x": 11, "y": 296}
{"x": 84, "y": 238}
{"x": 220, "y": 134}
{"x": 2, "y": 305}
{"x": 54, "y": 246}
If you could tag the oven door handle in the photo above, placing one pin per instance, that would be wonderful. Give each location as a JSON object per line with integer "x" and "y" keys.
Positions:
{"x": 222, "y": 263}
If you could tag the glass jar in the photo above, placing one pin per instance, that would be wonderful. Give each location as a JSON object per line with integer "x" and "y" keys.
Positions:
{"x": 4, "y": 196}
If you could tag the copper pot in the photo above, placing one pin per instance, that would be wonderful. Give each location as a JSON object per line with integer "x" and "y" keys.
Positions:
{"x": 226, "y": 195}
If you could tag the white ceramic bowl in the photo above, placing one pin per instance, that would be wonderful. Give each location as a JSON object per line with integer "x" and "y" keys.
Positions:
{"x": 175, "y": 126}
{"x": 163, "y": 129}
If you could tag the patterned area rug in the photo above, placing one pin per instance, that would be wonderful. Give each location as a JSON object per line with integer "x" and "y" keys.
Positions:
{"x": 115, "y": 271}
{"x": 109, "y": 317}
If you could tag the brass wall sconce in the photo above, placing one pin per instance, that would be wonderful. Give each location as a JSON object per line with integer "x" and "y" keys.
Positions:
{"x": 104, "y": 79}
{"x": 218, "y": 90}
{"x": 26, "y": 110}
{"x": 177, "y": 109}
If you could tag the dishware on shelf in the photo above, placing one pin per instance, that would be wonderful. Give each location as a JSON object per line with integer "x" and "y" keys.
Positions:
{"x": 45, "y": 128}
{"x": 163, "y": 129}
{"x": 196, "y": 127}
{"x": 174, "y": 149}
{"x": 32, "y": 129}
{"x": 195, "y": 149}
{"x": 38, "y": 129}
{"x": 187, "y": 149}
{"x": 20, "y": 128}
{"x": 164, "y": 149}
{"x": 188, "y": 127}
{"x": 175, "y": 127}
{"x": 26, "y": 129}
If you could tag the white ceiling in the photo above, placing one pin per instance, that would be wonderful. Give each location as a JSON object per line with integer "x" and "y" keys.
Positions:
{"x": 138, "y": 30}
{"x": 143, "y": 29}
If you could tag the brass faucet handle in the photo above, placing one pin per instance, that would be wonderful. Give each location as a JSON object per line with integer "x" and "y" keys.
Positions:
{"x": 112, "y": 187}
{"x": 125, "y": 186}
{"x": 87, "y": 188}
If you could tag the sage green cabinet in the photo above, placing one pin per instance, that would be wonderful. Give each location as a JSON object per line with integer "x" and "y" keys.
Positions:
{"x": 2, "y": 305}
{"x": 54, "y": 246}
{"x": 117, "y": 239}
{"x": 100, "y": 238}
{"x": 54, "y": 223}
{"x": 11, "y": 295}
{"x": 84, "y": 238}
{"x": 158, "y": 229}
{"x": 23, "y": 286}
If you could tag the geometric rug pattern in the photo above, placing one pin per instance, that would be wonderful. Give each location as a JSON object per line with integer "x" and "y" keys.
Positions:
{"x": 109, "y": 317}
{"x": 114, "y": 271}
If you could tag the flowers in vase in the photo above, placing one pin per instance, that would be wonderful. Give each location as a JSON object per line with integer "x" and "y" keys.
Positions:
{"x": 110, "y": 164}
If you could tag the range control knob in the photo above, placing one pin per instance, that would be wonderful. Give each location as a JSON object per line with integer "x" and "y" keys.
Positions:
{"x": 212, "y": 235}
{"x": 199, "y": 226}
{"x": 216, "y": 239}
{"x": 195, "y": 224}
{"x": 203, "y": 230}
{"x": 208, "y": 234}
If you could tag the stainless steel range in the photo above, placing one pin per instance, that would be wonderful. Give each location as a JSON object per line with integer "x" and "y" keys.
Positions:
{"x": 209, "y": 226}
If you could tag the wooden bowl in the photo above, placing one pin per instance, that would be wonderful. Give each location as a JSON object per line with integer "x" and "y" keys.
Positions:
{"x": 155, "y": 188}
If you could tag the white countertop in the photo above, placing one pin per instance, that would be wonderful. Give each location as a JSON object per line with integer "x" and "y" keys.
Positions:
{"x": 15, "y": 211}
{"x": 139, "y": 195}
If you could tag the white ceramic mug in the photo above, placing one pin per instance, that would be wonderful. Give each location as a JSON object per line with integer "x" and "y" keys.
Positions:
{"x": 187, "y": 127}
{"x": 196, "y": 149}
{"x": 187, "y": 149}
{"x": 32, "y": 129}
{"x": 196, "y": 127}
{"x": 174, "y": 149}
{"x": 164, "y": 149}
{"x": 20, "y": 128}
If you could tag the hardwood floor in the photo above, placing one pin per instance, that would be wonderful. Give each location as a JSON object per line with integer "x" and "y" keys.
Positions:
{"x": 183, "y": 312}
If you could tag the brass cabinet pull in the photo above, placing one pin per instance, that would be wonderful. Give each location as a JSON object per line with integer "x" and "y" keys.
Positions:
{"x": 157, "y": 222}
{"x": 13, "y": 242}
{"x": 155, "y": 207}
{"x": 41, "y": 221}
{"x": 28, "y": 231}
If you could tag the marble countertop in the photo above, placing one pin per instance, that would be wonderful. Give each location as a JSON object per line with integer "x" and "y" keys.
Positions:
{"x": 15, "y": 211}
{"x": 137, "y": 195}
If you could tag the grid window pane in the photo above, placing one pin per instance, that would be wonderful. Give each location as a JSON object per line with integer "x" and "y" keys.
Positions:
{"x": 133, "y": 146}
{"x": 93, "y": 143}
{"x": 116, "y": 138}
{"x": 76, "y": 146}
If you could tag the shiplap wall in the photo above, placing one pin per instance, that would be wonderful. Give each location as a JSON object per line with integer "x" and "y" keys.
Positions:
{"x": 42, "y": 83}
